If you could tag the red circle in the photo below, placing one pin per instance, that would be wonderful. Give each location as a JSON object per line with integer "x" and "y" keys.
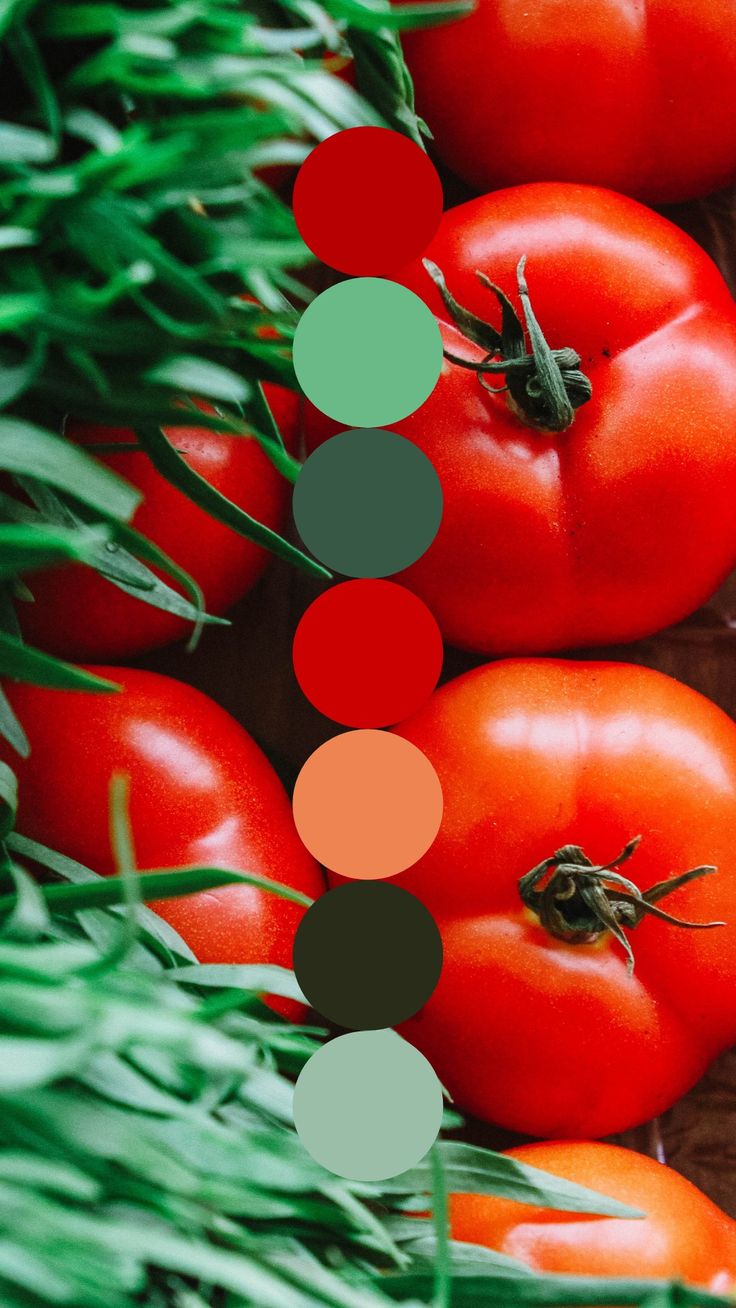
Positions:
{"x": 367, "y": 653}
{"x": 367, "y": 201}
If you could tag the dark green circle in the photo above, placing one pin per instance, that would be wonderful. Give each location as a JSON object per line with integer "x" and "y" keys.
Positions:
{"x": 367, "y": 955}
{"x": 368, "y": 503}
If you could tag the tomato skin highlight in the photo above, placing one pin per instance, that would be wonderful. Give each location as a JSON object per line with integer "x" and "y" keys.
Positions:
{"x": 633, "y": 96}
{"x": 683, "y": 1236}
{"x": 535, "y": 1033}
{"x": 201, "y": 792}
{"x": 76, "y": 614}
{"x": 622, "y": 524}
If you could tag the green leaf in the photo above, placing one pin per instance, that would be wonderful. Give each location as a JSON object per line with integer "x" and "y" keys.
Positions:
{"x": 26, "y": 1063}
{"x": 478, "y": 1171}
{"x": 176, "y": 470}
{"x": 28, "y": 1170}
{"x": 8, "y": 799}
{"x": 157, "y": 934}
{"x": 26, "y": 547}
{"x": 152, "y": 886}
{"x": 25, "y": 144}
{"x": 553, "y": 1291}
{"x": 30, "y": 451}
{"x": 11, "y": 729}
{"x": 254, "y": 977}
{"x": 28, "y": 917}
{"x": 23, "y": 663}
{"x": 193, "y": 376}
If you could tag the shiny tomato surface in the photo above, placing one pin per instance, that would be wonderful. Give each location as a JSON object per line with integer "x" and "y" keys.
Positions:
{"x": 632, "y": 94}
{"x": 201, "y": 793}
{"x": 622, "y": 523}
{"x": 682, "y": 1236}
{"x": 79, "y": 615}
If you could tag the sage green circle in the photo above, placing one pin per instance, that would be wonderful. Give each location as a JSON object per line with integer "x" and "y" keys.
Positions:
{"x": 368, "y": 1106}
{"x": 367, "y": 352}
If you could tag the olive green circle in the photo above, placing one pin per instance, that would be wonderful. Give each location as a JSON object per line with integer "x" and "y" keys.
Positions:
{"x": 367, "y": 352}
{"x": 367, "y": 1105}
{"x": 367, "y": 503}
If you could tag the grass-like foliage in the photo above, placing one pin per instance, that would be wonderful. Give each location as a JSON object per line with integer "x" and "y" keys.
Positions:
{"x": 147, "y": 1152}
{"x": 134, "y": 219}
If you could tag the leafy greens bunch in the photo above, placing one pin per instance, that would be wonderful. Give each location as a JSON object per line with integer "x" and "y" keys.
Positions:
{"x": 147, "y": 1152}
{"x": 144, "y": 259}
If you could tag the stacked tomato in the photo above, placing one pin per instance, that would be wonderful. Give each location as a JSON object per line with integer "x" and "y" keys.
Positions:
{"x": 584, "y": 430}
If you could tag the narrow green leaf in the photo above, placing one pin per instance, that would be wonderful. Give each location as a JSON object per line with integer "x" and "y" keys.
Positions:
{"x": 254, "y": 977}
{"x": 194, "y": 376}
{"x": 155, "y": 885}
{"x": 28, "y": 917}
{"x": 11, "y": 729}
{"x": 176, "y": 470}
{"x": 27, "y": 547}
{"x": 21, "y": 662}
{"x": 30, "y": 451}
{"x": 25, "y": 144}
{"x": 478, "y": 1171}
{"x": 8, "y": 799}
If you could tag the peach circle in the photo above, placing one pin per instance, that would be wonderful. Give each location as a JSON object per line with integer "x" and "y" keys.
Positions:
{"x": 367, "y": 804}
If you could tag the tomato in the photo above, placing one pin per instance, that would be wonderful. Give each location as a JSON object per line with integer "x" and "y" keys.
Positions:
{"x": 637, "y": 96}
{"x": 201, "y": 792}
{"x": 79, "y": 615}
{"x": 622, "y": 522}
{"x": 542, "y": 1028}
{"x": 683, "y": 1235}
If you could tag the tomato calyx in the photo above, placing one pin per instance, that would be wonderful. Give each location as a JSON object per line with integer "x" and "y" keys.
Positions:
{"x": 544, "y": 386}
{"x": 580, "y": 900}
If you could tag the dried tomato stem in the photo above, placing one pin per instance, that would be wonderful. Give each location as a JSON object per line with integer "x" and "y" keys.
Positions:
{"x": 579, "y": 900}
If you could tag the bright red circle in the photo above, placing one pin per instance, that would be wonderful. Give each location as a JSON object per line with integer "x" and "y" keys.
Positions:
{"x": 367, "y": 201}
{"x": 367, "y": 653}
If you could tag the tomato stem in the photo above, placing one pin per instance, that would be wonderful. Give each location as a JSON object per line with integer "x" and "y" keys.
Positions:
{"x": 580, "y": 900}
{"x": 544, "y": 386}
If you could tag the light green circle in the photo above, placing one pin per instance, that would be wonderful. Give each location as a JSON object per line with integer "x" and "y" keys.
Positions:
{"x": 367, "y": 1105}
{"x": 367, "y": 352}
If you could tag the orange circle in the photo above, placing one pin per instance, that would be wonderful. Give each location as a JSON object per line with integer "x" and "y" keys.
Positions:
{"x": 367, "y": 804}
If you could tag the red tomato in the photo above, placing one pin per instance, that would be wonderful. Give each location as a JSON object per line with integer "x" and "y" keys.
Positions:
{"x": 541, "y": 1028}
{"x": 632, "y": 94}
{"x": 622, "y": 523}
{"x": 79, "y": 615}
{"x": 683, "y": 1236}
{"x": 201, "y": 792}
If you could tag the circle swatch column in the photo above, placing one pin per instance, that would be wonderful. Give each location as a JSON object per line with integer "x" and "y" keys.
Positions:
{"x": 367, "y": 653}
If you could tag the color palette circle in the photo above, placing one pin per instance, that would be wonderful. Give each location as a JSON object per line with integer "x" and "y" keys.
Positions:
{"x": 367, "y": 201}
{"x": 367, "y": 503}
{"x": 367, "y": 955}
{"x": 367, "y": 352}
{"x": 367, "y": 653}
{"x": 367, "y": 804}
{"x": 368, "y": 1106}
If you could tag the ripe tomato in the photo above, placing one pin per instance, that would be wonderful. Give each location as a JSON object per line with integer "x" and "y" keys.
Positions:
{"x": 635, "y": 96}
{"x": 201, "y": 792}
{"x": 683, "y": 1236}
{"x": 79, "y": 615}
{"x": 623, "y": 522}
{"x": 541, "y": 1028}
